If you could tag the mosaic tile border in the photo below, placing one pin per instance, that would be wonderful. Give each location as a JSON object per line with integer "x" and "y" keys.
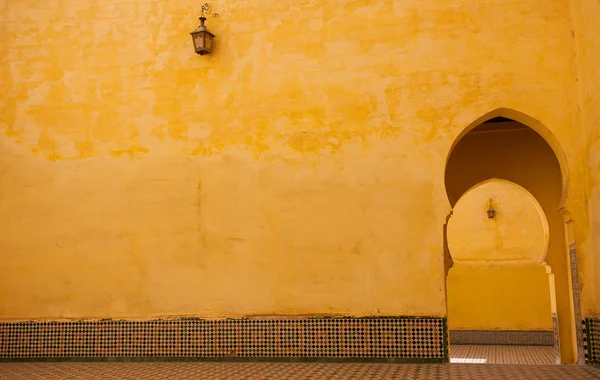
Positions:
{"x": 576, "y": 301}
{"x": 556, "y": 338}
{"x": 591, "y": 346}
{"x": 397, "y": 339}
{"x": 498, "y": 338}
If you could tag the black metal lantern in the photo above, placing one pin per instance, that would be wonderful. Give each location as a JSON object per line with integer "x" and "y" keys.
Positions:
{"x": 491, "y": 212}
{"x": 202, "y": 37}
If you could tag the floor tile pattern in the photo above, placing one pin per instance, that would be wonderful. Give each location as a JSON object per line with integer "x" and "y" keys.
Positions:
{"x": 525, "y": 338}
{"x": 289, "y": 371}
{"x": 413, "y": 339}
{"x": 591, "y": 333}
{"x": 502, "y": 354}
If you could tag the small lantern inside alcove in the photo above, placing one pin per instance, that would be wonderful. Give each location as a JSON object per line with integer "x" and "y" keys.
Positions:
{"x": 491, "y": 212}
{"x": 202, "y": 37}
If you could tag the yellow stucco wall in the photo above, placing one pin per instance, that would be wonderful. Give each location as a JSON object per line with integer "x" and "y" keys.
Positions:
{"x": 586, "y": 17}
{"x": 498, "y": 296}
{"x": 497, "y": 281}
{"x": 518, "y": 231}
{"x": 298, "y": 169}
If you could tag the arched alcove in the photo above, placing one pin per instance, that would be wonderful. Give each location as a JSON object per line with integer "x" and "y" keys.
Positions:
{"x": 517, "y": 232}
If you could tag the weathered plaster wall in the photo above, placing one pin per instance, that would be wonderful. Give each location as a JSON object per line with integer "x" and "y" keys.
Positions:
{"x": 586, "y": 22}
{"x": 497, "y": 281}
{"x": 298, "y": 169}
{"x": 496, "y": 296}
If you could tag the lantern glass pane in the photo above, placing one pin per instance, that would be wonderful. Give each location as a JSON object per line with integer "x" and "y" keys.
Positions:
{"x": 208, "y": 43}
{"x": 199, "y": 41}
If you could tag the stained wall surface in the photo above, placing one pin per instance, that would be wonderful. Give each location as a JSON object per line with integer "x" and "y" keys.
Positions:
{"x": 299, "y": 169}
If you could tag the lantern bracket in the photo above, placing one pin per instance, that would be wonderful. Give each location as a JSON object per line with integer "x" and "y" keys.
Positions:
{"x": 205, "y": 8}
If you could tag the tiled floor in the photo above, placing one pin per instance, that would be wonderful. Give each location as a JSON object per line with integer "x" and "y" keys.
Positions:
{"x": 289, "y": 371}
{"x": 502, "y": 354}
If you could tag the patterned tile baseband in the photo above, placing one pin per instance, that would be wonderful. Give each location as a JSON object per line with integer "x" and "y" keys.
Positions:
{"x": 513, "y": 338}
{"x": 576, "y": 301}
{"x": 556, "y": 338}
{"x": 408, "y": 339}
{"x": 591, "y": 335}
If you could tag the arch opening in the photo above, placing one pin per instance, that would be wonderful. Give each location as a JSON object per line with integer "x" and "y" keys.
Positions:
{"x": 508, "y": 145}
{"x": 510, "y": 120}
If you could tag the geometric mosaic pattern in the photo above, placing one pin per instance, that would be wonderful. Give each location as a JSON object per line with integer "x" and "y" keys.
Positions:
{"x": 291, "y": 371}
{"x": 576, "y": 301}
{"x": 512, "y": 338}
{"x": 556, "y": 338}
{"x": 591, "y": 333}
{"x": 396, "y": 338}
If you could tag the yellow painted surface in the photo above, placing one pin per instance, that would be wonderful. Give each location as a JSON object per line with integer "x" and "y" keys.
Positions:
{"x": 586, "y": 20}
{"x": 518, "y": 231}
{"x": 298, "y": 169}
{"x": 498, "y": 296}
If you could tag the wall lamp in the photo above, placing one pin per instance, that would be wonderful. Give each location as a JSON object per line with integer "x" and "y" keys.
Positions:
{"x": 491, "y": 212}
{"x": 202, "y": 37}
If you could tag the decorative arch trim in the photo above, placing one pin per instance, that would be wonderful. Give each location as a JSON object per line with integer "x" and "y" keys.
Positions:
{"x": 535, "y": 125}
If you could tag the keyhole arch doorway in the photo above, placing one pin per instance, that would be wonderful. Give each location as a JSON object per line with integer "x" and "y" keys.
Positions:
{"x": 513, "y": 146}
